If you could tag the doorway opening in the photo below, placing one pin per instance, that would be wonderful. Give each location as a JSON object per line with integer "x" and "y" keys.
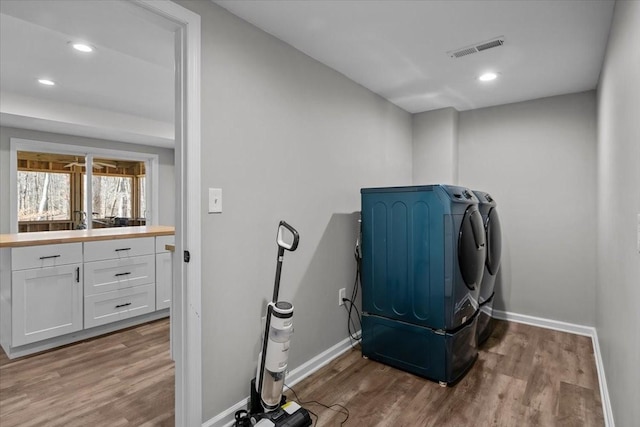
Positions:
{"x": 185, "y": 51}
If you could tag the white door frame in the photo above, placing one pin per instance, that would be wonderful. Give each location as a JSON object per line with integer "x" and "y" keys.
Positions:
{"x": 186, "y": 303}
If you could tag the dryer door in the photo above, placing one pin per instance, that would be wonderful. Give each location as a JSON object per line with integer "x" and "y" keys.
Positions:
{"x": 494, "y": 241}
{"x": 472, "y": 248}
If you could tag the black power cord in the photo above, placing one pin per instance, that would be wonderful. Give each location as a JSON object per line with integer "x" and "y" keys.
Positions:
{"x": 352, "y": 333}
{"x": 354, "y": 294}
{"x": 342, "y": 410}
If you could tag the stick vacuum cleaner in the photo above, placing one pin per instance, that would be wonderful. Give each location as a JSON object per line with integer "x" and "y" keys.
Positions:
{"x": 268, "y": 406}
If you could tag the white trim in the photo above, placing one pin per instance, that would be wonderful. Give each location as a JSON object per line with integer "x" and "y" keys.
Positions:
{"x": 571, "y": 328}
{"x": 556, "y": 325}
{"x": 20, "y": 144}
{"x": 226, "y": 417}
{"x": 13, "y": 188}
{"x": 88, "y": 192}
{"x": 186, "y": 292}
{"x": 193, "y": 221}
{"x": 602, "y": 380}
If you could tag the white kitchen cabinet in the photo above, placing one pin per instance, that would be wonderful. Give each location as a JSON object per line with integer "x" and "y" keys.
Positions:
{"x": 47, "y": 302}
{"x": 164, "y": 280}
{"x": 164, "y": 272}
{"x": 62, "y": 287}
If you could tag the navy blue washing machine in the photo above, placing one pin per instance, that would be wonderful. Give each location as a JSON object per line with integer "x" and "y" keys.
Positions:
{"x": 423, "y": 256}
{"x": 493, "y": 237}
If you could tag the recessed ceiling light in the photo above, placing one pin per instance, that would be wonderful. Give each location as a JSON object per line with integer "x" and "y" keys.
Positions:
{"x": 46, "y": 82}
{"x": 487, "y": 77}
{"x": 82, "y": 47}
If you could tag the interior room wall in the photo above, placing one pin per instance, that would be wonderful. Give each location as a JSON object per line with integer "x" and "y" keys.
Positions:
{"x": 538, "y": 160}
{"x": 165, "y": 160}
{"x": 435, "y": 147}
{"x": 618, "y": 283}
{"x": 285, "y": 137}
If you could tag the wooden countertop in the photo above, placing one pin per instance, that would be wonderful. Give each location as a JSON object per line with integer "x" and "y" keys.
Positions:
{"x": 72, "y": 236}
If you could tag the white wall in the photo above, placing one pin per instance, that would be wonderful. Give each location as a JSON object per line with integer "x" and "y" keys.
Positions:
{"x": 285, "y": 137}
{"x": 538, "y": 159}
{"x": 165, "y": 159}
{"x": 435, "y": 147}
{"x": 618, "y": 284}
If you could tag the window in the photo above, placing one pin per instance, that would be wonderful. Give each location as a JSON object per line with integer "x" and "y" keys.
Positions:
{"x": 112, "y": 196}
{"x": 115, "y": 199}
{"x": 49, "y": 189}
{"x": 43, "y": 196}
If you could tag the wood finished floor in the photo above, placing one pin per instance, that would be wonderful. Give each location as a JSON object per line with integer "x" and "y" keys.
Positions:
{"x": 524, "y": 376}
{"x": 122, "y": 379}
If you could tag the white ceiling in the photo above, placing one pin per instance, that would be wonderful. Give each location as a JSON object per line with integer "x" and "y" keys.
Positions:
{"x": 124, "y": 89}
{"x": 398, "y": 49}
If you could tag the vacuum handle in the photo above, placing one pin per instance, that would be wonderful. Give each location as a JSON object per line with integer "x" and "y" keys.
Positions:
{"x": 296, "y": 237}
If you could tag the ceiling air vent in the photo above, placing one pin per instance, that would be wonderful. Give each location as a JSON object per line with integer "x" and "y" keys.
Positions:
{"x": 476, "y": 47}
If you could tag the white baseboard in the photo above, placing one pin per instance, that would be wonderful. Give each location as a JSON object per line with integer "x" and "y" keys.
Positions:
{"x": 540, "y": 322}
{"x": 226, "y": 418}
{"x": 604, "y": 391}
{"x": 572, "y": 328}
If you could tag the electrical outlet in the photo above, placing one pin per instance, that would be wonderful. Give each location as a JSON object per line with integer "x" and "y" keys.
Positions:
{"x": 342, "y": 294}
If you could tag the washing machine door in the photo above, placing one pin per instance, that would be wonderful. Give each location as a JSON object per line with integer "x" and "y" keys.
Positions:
{"x": 494, "y": 241}
{"x": 472, "y": 248}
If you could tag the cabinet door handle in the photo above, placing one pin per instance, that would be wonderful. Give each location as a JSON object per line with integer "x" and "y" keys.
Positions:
{"x": 123, "y": 249}
{"x": 123, "y": 305}
{"x": 123, "y": 274}
{"x": 77, "y": 274}
{"x": 50, "y": 256}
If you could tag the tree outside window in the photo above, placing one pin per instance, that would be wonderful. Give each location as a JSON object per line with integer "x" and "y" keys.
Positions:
{"x": 112, "y": 196}
{"x": 43, "y": 196}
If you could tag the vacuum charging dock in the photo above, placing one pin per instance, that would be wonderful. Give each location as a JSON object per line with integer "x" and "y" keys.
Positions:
{"x": 289, "y": 414}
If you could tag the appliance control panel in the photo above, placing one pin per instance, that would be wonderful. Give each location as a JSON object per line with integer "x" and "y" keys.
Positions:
{"x": 460, "y": 193}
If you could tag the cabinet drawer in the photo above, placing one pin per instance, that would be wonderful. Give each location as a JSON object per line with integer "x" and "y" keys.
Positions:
{"x": 114, "y": 274}
{"x": 118, "y": 249}
{"x": 118, "y": 305}
{"x": 161, "y": 241}
{"x": 45, "y": 256}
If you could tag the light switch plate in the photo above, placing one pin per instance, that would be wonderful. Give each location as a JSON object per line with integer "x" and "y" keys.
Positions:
{"x": 215, "y": 200}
